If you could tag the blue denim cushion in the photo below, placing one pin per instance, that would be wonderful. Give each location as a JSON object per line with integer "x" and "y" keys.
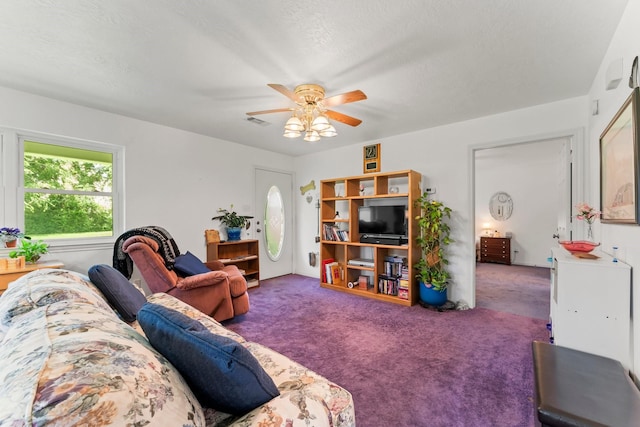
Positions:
{"x": 221, "y": 373}
{"x": 118, "y": 290}
{"x": 189, "y": 265}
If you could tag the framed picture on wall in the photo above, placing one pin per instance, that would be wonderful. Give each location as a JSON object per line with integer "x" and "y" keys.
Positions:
{"x": 371, "y": 158}
{"x": 619, "y": 164}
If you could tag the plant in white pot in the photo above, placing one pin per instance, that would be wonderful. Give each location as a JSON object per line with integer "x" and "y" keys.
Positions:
{"x": 233, "y": 222}
{"x": 434, "y": 236}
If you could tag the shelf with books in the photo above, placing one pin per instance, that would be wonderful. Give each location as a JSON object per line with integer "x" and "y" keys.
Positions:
{"x": 341, "y": 244}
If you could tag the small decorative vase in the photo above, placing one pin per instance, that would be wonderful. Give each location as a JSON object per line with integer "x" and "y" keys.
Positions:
{"x": 430, "y": 296}
{"x": 233, "y": 233}
{"x": 589, "y": 232}
{"x": 11, "y": 243}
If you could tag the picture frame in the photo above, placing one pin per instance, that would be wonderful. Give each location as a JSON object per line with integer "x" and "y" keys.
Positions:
{"x": 371, "y": 158}
{"x": 619, "y": 164}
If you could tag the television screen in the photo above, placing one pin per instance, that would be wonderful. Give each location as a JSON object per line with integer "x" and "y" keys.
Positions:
{"x": 382, "y": 220}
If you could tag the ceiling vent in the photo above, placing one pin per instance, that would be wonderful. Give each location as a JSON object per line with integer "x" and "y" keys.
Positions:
{"x": 258, "y": 121}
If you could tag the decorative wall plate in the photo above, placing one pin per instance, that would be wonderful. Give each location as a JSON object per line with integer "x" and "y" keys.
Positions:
{"x": 501, "y": 206}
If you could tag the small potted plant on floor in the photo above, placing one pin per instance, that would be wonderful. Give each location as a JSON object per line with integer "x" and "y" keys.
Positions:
{"x": 234, "y": 222}
{"x": 31, "y": 250}
{"x": 434, "y": 236}
{"x": 9, "y": 236}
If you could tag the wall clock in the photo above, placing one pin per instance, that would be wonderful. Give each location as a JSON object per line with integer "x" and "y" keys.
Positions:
{"x": 371, "y": 158}
{"x": 501, "y": 206}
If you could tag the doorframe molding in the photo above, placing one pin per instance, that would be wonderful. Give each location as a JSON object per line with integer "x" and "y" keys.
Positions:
{"x": 579, "y": 184}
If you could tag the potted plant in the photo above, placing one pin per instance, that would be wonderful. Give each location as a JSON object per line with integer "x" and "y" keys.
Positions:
{"x": 233, "y": 222}
{"x": 9, "y": 236}
{"x": 31, "y": 250}
{"x": 432, "y": 239}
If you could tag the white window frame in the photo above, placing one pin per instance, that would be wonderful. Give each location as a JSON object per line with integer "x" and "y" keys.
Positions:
{"x": 12, "y": 185}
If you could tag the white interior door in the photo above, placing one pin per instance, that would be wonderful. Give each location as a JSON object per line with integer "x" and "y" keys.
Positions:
{"x": 274, "y": 222}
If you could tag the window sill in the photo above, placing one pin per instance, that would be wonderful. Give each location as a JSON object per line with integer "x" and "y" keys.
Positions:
{"x": 61, "y": 246}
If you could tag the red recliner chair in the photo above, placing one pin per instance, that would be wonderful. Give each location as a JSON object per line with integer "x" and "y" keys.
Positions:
{"x": 221, "y": 293}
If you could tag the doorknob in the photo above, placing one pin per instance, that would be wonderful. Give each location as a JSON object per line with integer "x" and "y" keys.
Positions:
{"x": 556, "y": 236}
{"x": 258, "y": 230}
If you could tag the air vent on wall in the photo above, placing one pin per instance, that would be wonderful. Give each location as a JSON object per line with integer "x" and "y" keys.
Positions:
{"x": 257, "y": 121}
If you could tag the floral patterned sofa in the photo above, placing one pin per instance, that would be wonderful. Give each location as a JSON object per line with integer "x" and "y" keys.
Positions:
{"x": 69, "y": 359}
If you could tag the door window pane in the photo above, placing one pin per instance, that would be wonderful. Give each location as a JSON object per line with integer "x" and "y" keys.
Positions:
{"x": 274, "y": 221}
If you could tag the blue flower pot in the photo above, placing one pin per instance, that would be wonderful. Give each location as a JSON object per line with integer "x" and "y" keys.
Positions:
{"x": 233, "y": 233}
{"x": 431, "y": 296}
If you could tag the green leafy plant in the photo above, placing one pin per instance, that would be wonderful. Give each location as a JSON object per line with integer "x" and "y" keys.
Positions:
{"x": 31, "y": 250}
{"x": 434, "y": 236}
{"x": 231, "y": 219}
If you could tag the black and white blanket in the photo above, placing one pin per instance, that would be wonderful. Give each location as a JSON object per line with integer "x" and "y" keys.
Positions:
{"x": 167, "y": 248}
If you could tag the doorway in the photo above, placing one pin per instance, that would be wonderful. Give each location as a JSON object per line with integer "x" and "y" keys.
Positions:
{"x": 545, "y": 187}
{"x": 274, "y": 221}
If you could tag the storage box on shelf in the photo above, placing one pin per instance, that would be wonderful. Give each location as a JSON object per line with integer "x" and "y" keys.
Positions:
{"x": 243, "y": 253}
{"x": 341, "y": 252}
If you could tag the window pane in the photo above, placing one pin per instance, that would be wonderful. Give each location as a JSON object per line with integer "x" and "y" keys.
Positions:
{"x": 68, "y": 191}
{"x": 64, "y": 172}
{"x": 274, "y": 223}
{"x": 67, "y": 216}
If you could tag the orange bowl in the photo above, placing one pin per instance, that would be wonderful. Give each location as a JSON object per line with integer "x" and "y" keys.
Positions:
{"x": 579, "y": 245}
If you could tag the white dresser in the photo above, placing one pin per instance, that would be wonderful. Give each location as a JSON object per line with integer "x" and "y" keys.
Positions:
{"x": 591, "y": 305}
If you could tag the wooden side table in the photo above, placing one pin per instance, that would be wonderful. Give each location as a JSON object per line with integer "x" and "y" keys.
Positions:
{"x": 8, "y": 276}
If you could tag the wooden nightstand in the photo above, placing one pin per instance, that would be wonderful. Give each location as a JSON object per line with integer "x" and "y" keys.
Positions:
{"x": 8, "y": 276}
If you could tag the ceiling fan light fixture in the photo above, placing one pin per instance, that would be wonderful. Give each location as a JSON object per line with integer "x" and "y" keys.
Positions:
{"x": 329, "y": 132}
{"x": 291, "y": 133}
{"x": 320, "y": 123}
{"x": 311, "y": 136}
{"x": 294, "y": 124}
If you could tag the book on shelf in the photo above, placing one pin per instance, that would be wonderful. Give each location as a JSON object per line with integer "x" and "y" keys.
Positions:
{"x": 387, "y": 285}
{"x": 393, "y": 265}
{"x": 333, "y": 233}
{"x": 337, "y": 274}
{"x": 324, "y": 268}
{"x": 403, "y": 293}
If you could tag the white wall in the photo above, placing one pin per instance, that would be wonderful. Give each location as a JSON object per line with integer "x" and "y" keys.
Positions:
{"x": 443, "y": 156}
{"x": 529, "y": 174}
{"x": 626, "y": 45}
{"x": 174, "y": 179}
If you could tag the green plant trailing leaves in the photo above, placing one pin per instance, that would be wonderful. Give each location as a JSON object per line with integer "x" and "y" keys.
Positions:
{"x": 434, "y": 236}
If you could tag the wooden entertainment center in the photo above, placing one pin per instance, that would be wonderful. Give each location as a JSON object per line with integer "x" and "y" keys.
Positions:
{"x": 340, "y": 246}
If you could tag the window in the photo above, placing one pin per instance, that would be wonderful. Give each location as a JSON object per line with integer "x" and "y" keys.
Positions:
{"x": 65, "y": 190}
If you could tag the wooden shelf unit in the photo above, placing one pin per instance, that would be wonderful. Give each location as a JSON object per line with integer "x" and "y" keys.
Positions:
{"x": 242, "y": 253}
{"x": 344, "y": 195}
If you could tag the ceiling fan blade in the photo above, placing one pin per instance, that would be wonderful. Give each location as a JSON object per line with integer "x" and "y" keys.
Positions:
{"x": 345, "y": 98}
{"x": 283, "y": 90}
{"x": 343, "y": 118}
{"x": 277, "y": 110}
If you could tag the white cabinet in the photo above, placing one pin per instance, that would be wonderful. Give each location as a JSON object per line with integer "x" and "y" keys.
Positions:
{"x": 591, "y": 305}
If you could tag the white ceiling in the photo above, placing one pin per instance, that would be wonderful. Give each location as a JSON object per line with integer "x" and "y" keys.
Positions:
{"x": 200, "y": 65}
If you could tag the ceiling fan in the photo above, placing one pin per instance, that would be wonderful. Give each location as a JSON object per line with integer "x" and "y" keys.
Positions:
{"x": 310, "y": 115}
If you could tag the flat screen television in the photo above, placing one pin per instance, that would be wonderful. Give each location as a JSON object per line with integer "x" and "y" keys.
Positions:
{"x": 383, "y": 220}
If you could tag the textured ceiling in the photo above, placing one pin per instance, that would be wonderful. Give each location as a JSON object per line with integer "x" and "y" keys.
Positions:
{"x": 200, "y": 65}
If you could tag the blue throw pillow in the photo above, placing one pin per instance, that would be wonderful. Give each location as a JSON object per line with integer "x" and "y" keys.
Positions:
{"x": 222, "y": 374}
{"x": 189, "y": 265}
{"x": 118, "y": 290}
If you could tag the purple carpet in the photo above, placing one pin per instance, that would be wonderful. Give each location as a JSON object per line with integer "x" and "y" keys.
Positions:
{"x": 515, "y": 289}
{"x": 405, "y": 366}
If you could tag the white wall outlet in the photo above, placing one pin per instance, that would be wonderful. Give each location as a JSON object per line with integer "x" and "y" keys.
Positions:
{"x": 430, "y": 190}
